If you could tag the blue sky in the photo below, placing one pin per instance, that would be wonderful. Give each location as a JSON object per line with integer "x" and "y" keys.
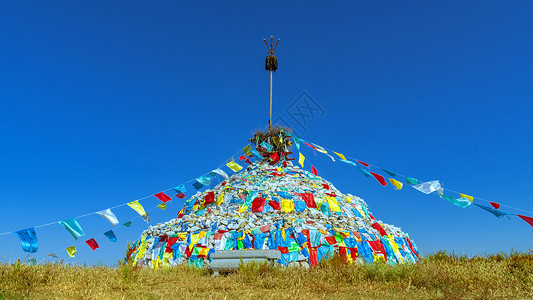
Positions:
{"x": 103, "y": 103}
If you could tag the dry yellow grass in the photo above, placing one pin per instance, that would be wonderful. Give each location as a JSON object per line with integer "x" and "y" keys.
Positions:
{"x": 440, "y": 276}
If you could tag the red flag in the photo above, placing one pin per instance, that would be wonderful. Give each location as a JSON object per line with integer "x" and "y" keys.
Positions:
{"x": 274, "y": 204}
{"x": 92, "y": 243}
{"x": 363, "y": 163}
{"x": 378, "y": 227}
{"x": 342, "y": 252}
{"x": 325, "y": 186}
{"x": 309, "y": 200}
{"x": 209, "y": 198}
{"x": 314, "y": 171}
{"x": 331, "y": 194}
{"x": 180, "y": 195}
{"x": 331, "y": 240}
{"x": 243, "y": 157}
{"x": 171, "y": 241}
{"x": 258, "y": 204}
{"x": 274, "y": 157}
{"x": 529, "y": 220}
{"x": 495, "y": 205}
{"x": 411, "y": 247}
{"x": 377, "y": 246}
{"x": 310, "y": 145}
{"x": 313, "y": 257}
{"x": 163, "y": 197}
{"x": 265, "y": 228}
{"x": 379, "y": 178}
{"x": 283, "y": 250}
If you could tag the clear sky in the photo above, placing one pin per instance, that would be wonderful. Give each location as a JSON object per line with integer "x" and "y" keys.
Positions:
{"x": 103, "y": 103}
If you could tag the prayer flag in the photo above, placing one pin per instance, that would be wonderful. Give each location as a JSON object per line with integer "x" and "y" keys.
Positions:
{"x": 163, "y": 197}
{"x": 309, "y": 199}
{"x": 462, "y": 202}
{"x": 180, "y": 188}
{"x": 242, "y": 208}
{"x": 274, "y": 157}
{"x": 258, "y": 205}
{"x": 257, "y": 154}
{"x": 301, "y": 159}
{"x": 180, "y": 195}
{"x": 28, "y": 239}
{"x": 137, "y": 207}
{"x": 379, "y": 228}
{"x": 204, "y": 180}
{"x": 411, "y": 181}
{"x": 71, "y": 251}
{"x": 146, "y": 218}
{"x": 529, "y": 220}
{"x": 267, "y": 146}
{"x": 379, "y": 178}
{"x": 398, "y": 185}
{"x": 209, "y": 198}
{"x": 315, "y": 172}
{"x": 470, "y": 198}
{"x": 340, "y": 155}
{"x": 296, "y": 142}
{"x": 389, "y": 172}
{"x": 111, "y": 236}
{"x": 287, "y": 205}
{"x": 221, "y": 173}
{"x": 349, "y": 162}
{"x": 495, "y": 205}
{"x": 333, "y": 204}
{"x": 220, "y": 199}
{"x": 127, "y": 224}
{"x": 247, "y": 150}
{"x": 73, "y": 227}
{"x": 363, "y": 163}
{"x": 92, "y": 243}
{"x": 197, "y": 185}
{"x": 365, "y": 172}
{"x": 234, "y": 166}
{"x": 108, "y": 215}
{"x": 428, "y": 187}
{"x": 163, "y": 206}
{"x": 497, "y": 213}
{"x": 274, "y": 204}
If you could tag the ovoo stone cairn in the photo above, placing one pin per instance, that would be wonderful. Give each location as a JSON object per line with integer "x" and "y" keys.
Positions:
{"x": 273, "y": 204}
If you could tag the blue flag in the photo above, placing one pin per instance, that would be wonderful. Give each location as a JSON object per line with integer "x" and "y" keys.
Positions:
{"x": 180, "y": 188}
{"x": 389, "y": 172}
{"x": 72, "y": 226}
{"x": 28, "y": 239}
{"x": 127, "y": 224}
{"x": 267, "y": 146}
{"x": 497, "y": 213}
{"x": 204, "y": 180}
{"x": 197, "y": 185}
{"x": 257, "y": 154}
{"x": 365, "y": 172}
{"x": 111, "y": 236}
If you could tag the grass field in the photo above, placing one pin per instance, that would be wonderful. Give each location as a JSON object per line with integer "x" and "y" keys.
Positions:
{"x": 439, "y": 276}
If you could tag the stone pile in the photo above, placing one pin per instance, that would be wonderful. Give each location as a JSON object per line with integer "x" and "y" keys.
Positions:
{"x": 273, "y": 206}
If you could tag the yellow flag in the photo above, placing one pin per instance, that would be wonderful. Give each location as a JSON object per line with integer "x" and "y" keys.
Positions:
{"x": 467, "y": 197}
{"x": 137, "y": 207}
{"x": 194, "y": 240}
{"x": 204, "y": 251}
{"x": 279, "y": 169}
{"x": 234, "y": 166}
{"x": 398, "y": 185}
{"x": 333, "y": 204}
{"x": 301, "y": 159}
{"x": 71, "y": 251}
{"x": 242, "y": 208}
{"x": 348, "y": 199}
{"x": 142, "y": 249}
{"x": 287, "y": 205}
{"x": 220, "y": 199}
{"x": 163, "y": 206}
{"x": 340, "y": 155}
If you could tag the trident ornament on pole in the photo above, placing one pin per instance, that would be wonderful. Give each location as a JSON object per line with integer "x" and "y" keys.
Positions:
{"x": 271, "y": 64}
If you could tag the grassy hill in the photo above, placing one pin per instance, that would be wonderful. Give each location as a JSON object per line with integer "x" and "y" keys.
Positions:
{"x": 439, "y": 276}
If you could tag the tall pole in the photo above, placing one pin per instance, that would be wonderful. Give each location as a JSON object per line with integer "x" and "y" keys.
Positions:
{"x": 271, "y": 64}
{"x": 270, "y": 119}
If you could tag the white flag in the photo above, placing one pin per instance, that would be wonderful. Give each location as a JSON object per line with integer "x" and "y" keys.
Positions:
{"x": 221, "y": 173}
{"x": 109, "y": 215}
{"x": 428, "y": 187}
